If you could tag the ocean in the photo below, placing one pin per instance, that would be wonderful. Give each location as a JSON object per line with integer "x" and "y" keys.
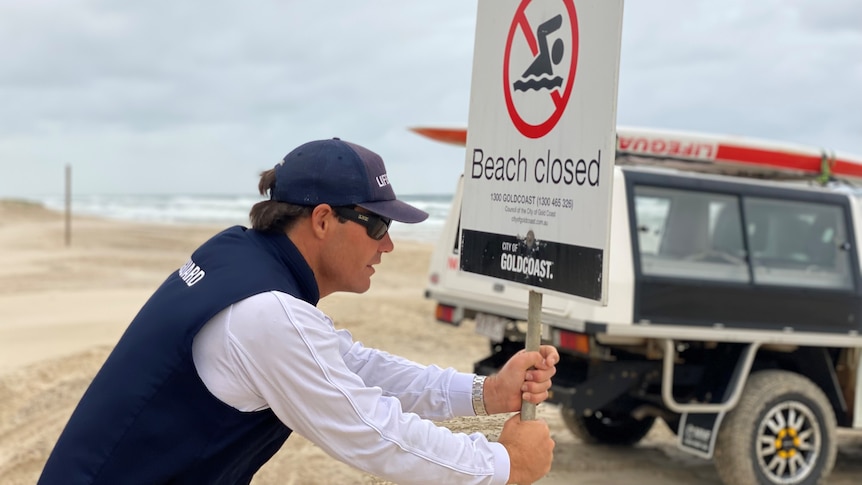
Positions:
{"x": 227, "y": 210}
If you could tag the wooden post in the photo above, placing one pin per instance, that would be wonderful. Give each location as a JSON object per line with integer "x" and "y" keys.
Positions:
{"x": 534, "y": 340}
{"x": 68, "y": 226}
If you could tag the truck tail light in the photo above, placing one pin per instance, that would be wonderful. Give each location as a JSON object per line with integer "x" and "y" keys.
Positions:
{"x": 574, "y": 341}
{"x": 445, "y": 313}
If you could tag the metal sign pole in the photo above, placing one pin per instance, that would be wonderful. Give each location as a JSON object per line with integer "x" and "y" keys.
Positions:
{"x": 534, "y": 339}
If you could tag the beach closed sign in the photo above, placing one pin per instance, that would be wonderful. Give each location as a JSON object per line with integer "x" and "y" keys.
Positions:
{"x": 540, "y": 144}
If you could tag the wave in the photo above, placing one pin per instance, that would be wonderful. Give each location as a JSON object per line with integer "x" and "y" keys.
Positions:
{"x": 227, "y": 210}
{"x": 537, "y": 84}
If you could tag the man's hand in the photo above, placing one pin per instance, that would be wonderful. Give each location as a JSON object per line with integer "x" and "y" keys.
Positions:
{"x": 526, "y": 376}
{"x": 530, "y": 448}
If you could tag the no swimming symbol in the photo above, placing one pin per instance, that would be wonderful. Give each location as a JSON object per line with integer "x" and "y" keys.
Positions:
{"x": 548, "y": 85}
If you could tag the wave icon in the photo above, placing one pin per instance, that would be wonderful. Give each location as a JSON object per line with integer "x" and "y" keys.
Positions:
{"x": 537, "y": 84}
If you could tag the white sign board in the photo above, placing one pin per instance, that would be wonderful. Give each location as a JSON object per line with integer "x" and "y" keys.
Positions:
{"x": 540, "y": 144}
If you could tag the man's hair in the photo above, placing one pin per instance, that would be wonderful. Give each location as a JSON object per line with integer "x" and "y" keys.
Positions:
{"x": 271, "y": 215}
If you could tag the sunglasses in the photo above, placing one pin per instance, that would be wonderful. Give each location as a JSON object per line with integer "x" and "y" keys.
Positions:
{"x": 376, "y": 226}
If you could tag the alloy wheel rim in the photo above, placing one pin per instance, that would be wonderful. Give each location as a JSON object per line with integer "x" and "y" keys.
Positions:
{"x": 788, "y": 442}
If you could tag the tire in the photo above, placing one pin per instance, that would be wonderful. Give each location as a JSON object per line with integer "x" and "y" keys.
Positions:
{"x": 619, "y": 430}
{"x": 782, "y": 431}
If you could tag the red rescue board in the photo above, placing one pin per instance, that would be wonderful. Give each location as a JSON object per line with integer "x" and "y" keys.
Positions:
{"x": 732, "y": 155}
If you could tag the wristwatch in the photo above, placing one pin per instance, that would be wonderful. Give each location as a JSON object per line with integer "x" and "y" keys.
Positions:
{"x": 479, "y": 396}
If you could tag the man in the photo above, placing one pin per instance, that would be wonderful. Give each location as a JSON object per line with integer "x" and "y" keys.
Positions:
{"x": 230, "y": 355}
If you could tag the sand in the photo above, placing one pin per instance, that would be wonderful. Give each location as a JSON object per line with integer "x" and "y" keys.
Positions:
{"x": 62, "y": 308}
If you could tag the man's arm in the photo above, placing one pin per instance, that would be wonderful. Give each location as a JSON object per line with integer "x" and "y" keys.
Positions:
{"x": 429, "y": 391}
{"x": 293, "y": 364}
{"x": 436, "y": 393}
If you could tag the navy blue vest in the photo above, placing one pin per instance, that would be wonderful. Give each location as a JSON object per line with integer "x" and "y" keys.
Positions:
{"x": 147, "y": 418}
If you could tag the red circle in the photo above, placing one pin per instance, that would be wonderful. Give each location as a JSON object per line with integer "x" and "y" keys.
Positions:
{"x": 542, "y": 129}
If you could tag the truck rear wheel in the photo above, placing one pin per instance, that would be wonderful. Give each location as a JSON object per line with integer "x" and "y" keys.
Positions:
{"x": 601, "y": 428}
{"x": 781, "y": 432}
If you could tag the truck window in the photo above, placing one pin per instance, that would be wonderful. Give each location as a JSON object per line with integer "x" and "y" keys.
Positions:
{"x": 698, "y": 235}
{"x": 690, "y": 234}
{"x": 798, "y": 243}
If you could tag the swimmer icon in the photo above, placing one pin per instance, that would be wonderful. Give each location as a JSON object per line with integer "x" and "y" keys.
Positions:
{"x": 538, "y": 75}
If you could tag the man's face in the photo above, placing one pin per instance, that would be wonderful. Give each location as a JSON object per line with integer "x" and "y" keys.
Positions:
{"x": 349, "y": 256}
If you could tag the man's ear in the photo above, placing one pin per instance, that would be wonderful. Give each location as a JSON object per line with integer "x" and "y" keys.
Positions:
{"x": 322, "y": 218}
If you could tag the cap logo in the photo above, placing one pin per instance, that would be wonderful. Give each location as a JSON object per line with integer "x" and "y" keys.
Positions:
{"x": 382, "y": 180}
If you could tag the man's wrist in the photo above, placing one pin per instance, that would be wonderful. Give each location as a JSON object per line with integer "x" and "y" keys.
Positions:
{"x": 478, "y": 396}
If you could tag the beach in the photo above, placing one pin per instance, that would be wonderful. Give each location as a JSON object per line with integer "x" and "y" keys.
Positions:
{"x": 63, "y": 307}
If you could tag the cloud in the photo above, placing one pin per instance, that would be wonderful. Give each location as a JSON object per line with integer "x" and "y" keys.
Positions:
{"x": 766, "y": 69}
{"x": 164, "y": 96}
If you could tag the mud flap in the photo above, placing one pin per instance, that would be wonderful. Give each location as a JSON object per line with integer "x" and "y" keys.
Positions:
{"x": 697, "y": 433}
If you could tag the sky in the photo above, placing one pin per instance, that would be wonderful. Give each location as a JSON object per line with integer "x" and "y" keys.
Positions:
{"x": 195, "y": 97}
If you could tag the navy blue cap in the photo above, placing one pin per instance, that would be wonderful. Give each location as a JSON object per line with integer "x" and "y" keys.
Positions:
{"x": 340, "y": 173}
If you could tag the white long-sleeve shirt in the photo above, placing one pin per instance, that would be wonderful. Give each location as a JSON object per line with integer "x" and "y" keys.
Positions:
{"x": 365, "y": 407}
